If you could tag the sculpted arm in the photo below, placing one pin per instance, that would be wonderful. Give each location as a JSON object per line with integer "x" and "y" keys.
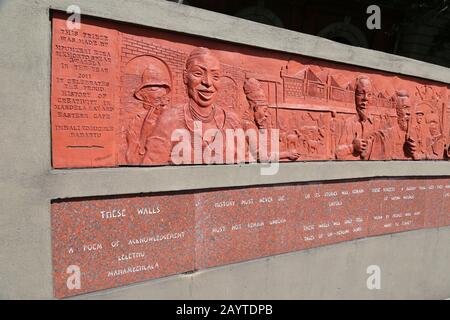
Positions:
{"x": 159, "y": 145}
{"x": 133, "y": 146}
{"x": 345, "y": 147}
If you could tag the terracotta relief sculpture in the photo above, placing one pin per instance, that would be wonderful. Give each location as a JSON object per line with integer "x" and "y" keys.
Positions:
{"x": 437, "y": 138}
{"x": 202, "y": 77}
{"x": 362, "y": 138}
{"x": 141, "y": 97}
{"x": 258, "y": 117}
{"x": 153, "y": 91}
{"x": 446, "y": 129}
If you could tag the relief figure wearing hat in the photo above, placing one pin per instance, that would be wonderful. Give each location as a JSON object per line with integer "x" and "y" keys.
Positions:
{"x": 419, "y": 133}
{"x": 153, "y": 91}
{"x": 437, "y": 150}
{"x": 402, "y": 147}
{"x": 258, "y": 118}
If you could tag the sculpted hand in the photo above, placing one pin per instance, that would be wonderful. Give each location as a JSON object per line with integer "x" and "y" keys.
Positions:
{"x": 360, "y": 145}
{"x": 293, "y": 155}
{"x": 411, "y": 145}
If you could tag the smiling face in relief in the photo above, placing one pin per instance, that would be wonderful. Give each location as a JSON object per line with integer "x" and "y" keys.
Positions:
{"x": 202, "y": 77}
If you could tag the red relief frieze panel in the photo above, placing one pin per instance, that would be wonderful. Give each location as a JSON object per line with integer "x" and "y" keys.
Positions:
{"x": 104, "y": 243}
{"x": 128, "y": 95}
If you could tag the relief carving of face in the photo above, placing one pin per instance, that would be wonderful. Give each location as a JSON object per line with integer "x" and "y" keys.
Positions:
{"x": 434, "y": 128}
{"x": 155, "y": 96}
{"x": 202, "y": 78}
{"x": 420, "y": 118}
{"x": 403, "y": 113}
{"x": 262, "y": 116}
{"x": 363, "y": 95}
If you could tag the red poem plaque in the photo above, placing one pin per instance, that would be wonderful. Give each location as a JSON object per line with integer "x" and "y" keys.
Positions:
{"x": 108, "y": 242}
{"x": 237, "y": 226}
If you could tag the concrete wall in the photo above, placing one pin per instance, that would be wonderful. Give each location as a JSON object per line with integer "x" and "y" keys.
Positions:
{"x": 414, "y": 263}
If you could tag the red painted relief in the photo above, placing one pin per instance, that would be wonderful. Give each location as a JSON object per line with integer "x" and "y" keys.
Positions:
{"x": 108, "y": 242}
{"x": 128, "y": 95}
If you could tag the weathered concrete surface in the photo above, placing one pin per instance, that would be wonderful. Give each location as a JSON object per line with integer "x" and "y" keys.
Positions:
{"x": 27, "y": 182}
{"x": 74, "y": 183}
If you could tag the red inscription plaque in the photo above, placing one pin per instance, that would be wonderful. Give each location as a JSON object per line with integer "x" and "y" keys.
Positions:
{"x": 237, "y": 226}
{"x": 334, "y": 212}
{"x": 129, "y": 95}
{"x": 104, "y": 243}
{"x": 85, "y": 75}
{"x": 400, "y": 206}
{"x": 444, "y": 217}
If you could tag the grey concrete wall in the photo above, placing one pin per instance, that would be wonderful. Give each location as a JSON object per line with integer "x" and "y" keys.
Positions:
{"x": 28, "y": 183}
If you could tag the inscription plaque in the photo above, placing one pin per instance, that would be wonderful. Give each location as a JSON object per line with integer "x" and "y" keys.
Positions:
{"x": 122, "y": 240}
{"x": 84, "y": 92}
{"x": 106, "y": 242}
{"x": 119, "y": 93}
